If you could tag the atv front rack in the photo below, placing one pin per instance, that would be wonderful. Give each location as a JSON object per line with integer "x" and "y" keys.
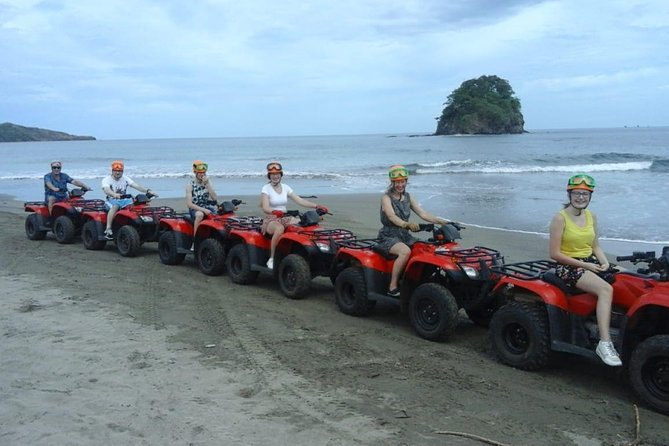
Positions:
{"x": 531, "y": 270}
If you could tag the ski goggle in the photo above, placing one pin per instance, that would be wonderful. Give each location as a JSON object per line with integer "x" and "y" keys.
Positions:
{"x": 200, "y": 167}
{"x": 274, "y": 167}
{"x": 577, "y": 180}
{"x": 117, "y": 165}
{"x": 398, "y": 173}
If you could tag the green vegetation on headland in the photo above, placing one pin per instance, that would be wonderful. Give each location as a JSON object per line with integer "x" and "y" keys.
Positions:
{"x": 16, "y": 133}
{"x": 485, "y": 105}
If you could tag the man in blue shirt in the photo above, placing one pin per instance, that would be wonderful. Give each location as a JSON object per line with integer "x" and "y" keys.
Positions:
{"x": 55, "y": 184}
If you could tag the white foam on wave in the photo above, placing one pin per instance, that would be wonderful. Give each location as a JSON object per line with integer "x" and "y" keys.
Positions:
{"x": 483, "y": 168}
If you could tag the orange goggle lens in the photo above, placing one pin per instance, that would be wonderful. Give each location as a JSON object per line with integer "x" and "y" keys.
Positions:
{"x": 276, "y": 167}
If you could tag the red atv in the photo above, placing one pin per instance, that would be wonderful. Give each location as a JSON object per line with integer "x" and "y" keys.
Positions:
{"x": 65, "y": 220}
{"x": 295, "y": 255}
{"x": 176, "y": 238}
{"x": 440, "y": 278}
{"x": 543, "y": 315}
{"x": 137, "y": 224}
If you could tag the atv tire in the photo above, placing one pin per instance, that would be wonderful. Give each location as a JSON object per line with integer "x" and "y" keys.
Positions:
{"x": 168, "y": 249}
{"x": 128, "y": 241}
{"x": 481, "y": 317}
{"x": 294, "y": 276}
{"x": 63, "y": 229}
{"x": 519, "y": 335}
{"x": 433, "y": 312}
{"x": 91, "y": 237}
{"x": 649, "y": 372}
{"x": 33, "y": 224}
{"x": 239, "y": 265}
{"x": 351, "y": 293}
{"x": 211, "y": 257}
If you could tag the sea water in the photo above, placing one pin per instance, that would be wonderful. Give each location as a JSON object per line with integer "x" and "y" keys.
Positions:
{"x": 510, "y": 182}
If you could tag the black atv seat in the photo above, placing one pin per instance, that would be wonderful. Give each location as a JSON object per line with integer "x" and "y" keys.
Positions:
{"x": 552, "y": 278}
{"x": 384, "y": 252}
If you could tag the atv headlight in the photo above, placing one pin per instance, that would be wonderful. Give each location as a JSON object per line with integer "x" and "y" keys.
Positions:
{"x": 324, "y": 247}
{"x": 146, "y": 218}
{"x": 471, "y": 272}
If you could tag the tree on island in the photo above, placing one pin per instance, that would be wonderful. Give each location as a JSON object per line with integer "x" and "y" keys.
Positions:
{"x": 485, "y": 105}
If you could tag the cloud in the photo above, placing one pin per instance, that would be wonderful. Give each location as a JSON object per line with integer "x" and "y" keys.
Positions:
{"x": 331, "y": 63}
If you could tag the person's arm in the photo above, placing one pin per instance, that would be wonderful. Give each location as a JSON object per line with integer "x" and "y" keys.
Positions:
{"x": 142, "y": 189}
{"x": 426, "y": 215}
{"x": 210, "y": 188}
{"x": 301, "y": 201}
{"x": 596, "y": 249}
{"x": 387, "y": 208}
{"x": 50, "y": 185}
{"x": 264, "y": 203}
{"x": 80, "y": 184}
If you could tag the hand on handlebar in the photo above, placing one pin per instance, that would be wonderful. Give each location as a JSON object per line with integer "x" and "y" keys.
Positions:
{"x": 322, "y": 210}
{"x": 413, "y": 227}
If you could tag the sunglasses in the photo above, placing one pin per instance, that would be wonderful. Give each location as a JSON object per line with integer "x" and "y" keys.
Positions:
{"x": 55, "y": 167}
{"x": 200, "y": 166}
{"x": 274, "y": 166}
{"x": 580, "y": 179}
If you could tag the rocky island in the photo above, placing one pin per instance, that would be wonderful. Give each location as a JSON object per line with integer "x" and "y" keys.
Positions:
{"x": 486, "y": 105}
{"x": 16, "y": 133}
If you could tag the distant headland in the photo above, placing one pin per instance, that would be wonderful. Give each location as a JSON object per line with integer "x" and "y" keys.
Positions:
{"x": 16, "y": 133}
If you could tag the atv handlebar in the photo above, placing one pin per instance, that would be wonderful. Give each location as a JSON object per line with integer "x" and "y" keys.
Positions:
{"x": 637, "y": 256}
{"x": 428, "y": 227}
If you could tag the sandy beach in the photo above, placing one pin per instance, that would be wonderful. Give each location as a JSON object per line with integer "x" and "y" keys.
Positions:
{"x": 101, "y": 349}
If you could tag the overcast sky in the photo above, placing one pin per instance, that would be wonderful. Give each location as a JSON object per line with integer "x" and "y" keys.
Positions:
{"x": 119, "y": 69}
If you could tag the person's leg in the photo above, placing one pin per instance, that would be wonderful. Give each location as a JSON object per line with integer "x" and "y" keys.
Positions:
{"x": 110, "y": 216}
{"x": 50, "y": 202}
{"x": 275, "y": 229}
{"x": 402, "y": 251}
{"x": 593, "y": 284}
{"x": 199, "y": 216}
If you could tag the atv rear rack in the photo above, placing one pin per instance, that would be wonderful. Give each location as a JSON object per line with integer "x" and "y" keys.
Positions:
{"x": 364, "y": 243}
{"x": 94, "y": 204}
{"x": 155, "y": 211}
{"x": 244, "y": 223}
{"x": 531, "y": 270}
{"x": 472, "y": 255}
{"x": 335, "y": 235}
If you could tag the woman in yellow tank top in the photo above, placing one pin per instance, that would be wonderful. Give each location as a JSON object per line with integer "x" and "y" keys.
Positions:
{"x": 574, "y": 245}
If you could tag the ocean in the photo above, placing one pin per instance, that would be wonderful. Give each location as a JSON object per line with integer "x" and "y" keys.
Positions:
{"x": 508, "y": 182}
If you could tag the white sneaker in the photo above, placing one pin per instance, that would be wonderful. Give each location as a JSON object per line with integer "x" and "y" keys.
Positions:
{"x": 108, "y": 234}
{"x": 270, "y": 263}
{"x": 607, "y": 352}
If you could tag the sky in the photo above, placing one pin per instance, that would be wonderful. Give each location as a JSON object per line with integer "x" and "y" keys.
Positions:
{"x": 120, "y": 69}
